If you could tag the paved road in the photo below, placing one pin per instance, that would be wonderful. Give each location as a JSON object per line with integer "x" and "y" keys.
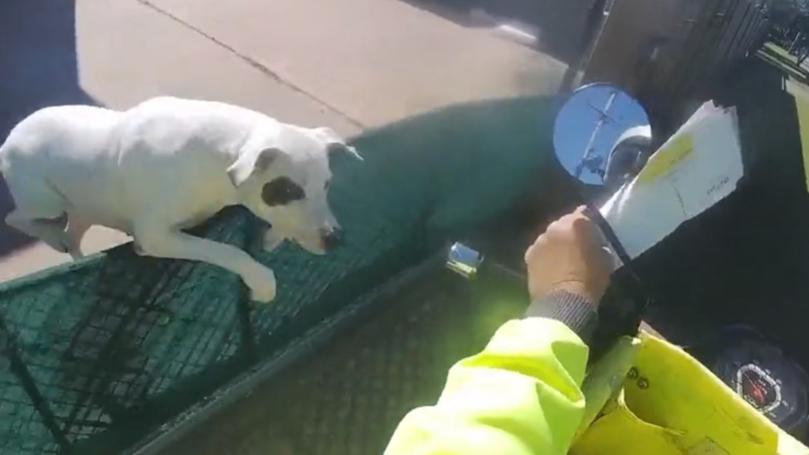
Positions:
{"x": 348, "y": 64}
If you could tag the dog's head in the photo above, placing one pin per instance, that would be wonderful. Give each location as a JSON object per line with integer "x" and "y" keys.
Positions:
{"x": 285, "y": 181}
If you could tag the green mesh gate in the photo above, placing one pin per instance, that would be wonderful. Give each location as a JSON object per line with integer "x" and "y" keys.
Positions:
{"x": 348, "y": 397}
{"x": 102, "y": 352}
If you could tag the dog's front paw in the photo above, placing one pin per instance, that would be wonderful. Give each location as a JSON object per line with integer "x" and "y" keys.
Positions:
{"x": 262, "y": 286}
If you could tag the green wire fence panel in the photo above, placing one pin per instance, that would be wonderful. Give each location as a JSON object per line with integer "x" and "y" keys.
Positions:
{"x": 23, "y": 430}
{"x": 98, "y": 339}
{"x": 103, "y": 351}
{"x": 348, "y": 397}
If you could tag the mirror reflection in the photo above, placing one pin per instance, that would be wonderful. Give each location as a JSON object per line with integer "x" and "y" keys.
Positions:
{"x": 602, "y": 135}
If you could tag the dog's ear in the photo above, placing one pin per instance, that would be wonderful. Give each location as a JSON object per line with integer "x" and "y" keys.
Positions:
{"x": 335, "y": 143}
{"x": 250, "y": 164}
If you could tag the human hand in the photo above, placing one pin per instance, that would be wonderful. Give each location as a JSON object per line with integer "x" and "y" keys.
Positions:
{"x": 569, "y": 256}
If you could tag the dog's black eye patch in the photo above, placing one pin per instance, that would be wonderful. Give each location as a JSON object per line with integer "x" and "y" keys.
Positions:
{"x": 281, "y": 191}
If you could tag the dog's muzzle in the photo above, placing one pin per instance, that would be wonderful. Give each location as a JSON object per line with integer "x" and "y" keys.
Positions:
{"x": 331, "y": 238}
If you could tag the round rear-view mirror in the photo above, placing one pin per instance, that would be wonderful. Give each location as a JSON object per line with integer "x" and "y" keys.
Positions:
{"x": 602, "y": 135}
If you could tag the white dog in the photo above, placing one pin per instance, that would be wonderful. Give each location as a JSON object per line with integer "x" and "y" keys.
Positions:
{"x": 165, "y": 165}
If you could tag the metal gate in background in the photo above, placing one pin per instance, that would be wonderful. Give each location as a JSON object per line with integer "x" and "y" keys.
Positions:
{"x": 669, "y": 53}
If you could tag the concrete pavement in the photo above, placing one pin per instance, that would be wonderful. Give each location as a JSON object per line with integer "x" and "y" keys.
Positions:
{"x": 375, "y": 61}
{"x": 348, "y": 64}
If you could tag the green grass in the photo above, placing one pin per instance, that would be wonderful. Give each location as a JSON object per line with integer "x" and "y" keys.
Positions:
{"x": 783, "y": 53}
{"x": 779, "y": 57}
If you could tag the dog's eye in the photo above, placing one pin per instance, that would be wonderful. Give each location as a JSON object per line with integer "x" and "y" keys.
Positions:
{"x": 327, "y": 185}
{"x": 281, "y": 191}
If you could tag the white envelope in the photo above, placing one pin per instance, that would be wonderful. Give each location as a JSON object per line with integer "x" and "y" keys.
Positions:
{"x": 698, "y": 166}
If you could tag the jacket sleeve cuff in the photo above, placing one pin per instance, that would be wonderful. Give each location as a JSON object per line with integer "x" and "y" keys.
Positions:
{"x": 575, "y": 311}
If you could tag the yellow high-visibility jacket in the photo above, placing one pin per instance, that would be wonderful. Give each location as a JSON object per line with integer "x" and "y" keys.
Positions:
{"x": 528, "y": 393}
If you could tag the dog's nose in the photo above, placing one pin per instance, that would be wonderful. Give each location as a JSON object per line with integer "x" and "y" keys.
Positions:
{"x": 332, "y": 238}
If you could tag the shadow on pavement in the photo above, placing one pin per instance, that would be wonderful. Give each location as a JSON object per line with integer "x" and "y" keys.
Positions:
{"x": 39, "y": 69}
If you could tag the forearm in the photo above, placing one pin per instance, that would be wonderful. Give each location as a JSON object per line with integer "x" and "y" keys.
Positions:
{"x": 520, "y": 396}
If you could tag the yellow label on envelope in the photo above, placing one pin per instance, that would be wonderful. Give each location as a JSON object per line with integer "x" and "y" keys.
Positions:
{"x": 667, "y": 158}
